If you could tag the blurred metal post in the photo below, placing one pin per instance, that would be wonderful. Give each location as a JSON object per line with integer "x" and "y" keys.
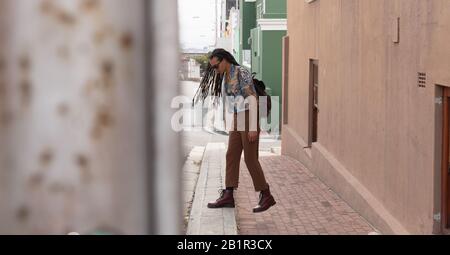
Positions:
{"x": 166, "y": 154}
{"x": 84, "y": 94}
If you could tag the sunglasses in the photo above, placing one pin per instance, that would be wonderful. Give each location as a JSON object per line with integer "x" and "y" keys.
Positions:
{"x": 216, "y": 66}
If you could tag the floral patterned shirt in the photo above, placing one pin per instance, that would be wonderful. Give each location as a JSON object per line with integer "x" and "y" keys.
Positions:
{"x": 239, "y": 85}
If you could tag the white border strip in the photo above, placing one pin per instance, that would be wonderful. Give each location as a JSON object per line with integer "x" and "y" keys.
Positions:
{"x": 272, "y": 24}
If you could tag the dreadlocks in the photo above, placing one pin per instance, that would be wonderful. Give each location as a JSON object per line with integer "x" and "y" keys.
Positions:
{"x": 211, "y": 83}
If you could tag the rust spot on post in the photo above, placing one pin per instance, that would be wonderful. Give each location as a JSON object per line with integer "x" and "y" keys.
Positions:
{"x": 83, "y": 163}
{"x": 62, "y": 16}
{"x": 66, "y": 18}
{"x": 36, "y": 180}
{"x": 46, "y": 157}
{"x": 89, "y": 5}
{"x": 102, "y": 33}
{"x": 25, "y": 89}
{"x": 107, "y": 69}
{"x": 103, "y": 119}
{"x": 23, "y": 213}
{"x": 47, "y": 7}
{"x": 25, "y": 92}
{"x": 126, "y": 41}
{"x": 24, "y": 63}
{"x": 63, "y": 109}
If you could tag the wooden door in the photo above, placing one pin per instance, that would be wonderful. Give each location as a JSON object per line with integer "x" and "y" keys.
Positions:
{"x": 445, "y": 195}
{"x": 314, "y": 94}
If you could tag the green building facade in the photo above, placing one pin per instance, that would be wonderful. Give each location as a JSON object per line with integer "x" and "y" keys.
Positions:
{"x": 262, "y": 28}
{"x": 247, "y": 21}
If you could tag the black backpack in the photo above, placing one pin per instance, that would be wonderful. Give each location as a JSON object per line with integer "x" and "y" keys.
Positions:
{"x": 260, "y": 88}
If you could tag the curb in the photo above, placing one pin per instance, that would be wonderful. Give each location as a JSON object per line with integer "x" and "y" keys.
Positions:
{"x": 202, "y": 220}
{"x": 191, "y": 170}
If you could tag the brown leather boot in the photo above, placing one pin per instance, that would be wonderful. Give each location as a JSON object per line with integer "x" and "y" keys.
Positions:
{"x": 266, "y": 201}
{"x": 226, "y": 199}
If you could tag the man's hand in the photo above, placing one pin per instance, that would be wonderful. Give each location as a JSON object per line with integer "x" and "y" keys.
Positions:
{"x": 252, "y": 136}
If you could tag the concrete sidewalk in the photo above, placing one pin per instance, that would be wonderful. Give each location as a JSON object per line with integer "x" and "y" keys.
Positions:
{"x": 205, "y": 221}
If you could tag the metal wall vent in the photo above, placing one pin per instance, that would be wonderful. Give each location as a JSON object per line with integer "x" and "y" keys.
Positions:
{"x": 421, "y": 80}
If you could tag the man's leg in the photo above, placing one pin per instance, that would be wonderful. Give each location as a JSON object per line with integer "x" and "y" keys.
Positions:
{"x": 251, "y": 153}
{"x": 233, "y": 157}
{"x": 233, "y": 160}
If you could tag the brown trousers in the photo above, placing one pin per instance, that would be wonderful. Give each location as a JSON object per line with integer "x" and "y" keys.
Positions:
{"x": 238, "y": 141}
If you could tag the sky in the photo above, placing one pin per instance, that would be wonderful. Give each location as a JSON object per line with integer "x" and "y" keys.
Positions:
{"x": 197, "y": 23}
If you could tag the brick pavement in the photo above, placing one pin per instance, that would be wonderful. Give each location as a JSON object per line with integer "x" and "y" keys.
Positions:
{"x": 304, "y": 204}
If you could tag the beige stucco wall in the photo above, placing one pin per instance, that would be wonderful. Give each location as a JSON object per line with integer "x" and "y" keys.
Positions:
{"x": 374, "y": 120}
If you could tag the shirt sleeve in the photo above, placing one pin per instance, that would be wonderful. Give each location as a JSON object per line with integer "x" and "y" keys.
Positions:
{"x": 246, "y": 83}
